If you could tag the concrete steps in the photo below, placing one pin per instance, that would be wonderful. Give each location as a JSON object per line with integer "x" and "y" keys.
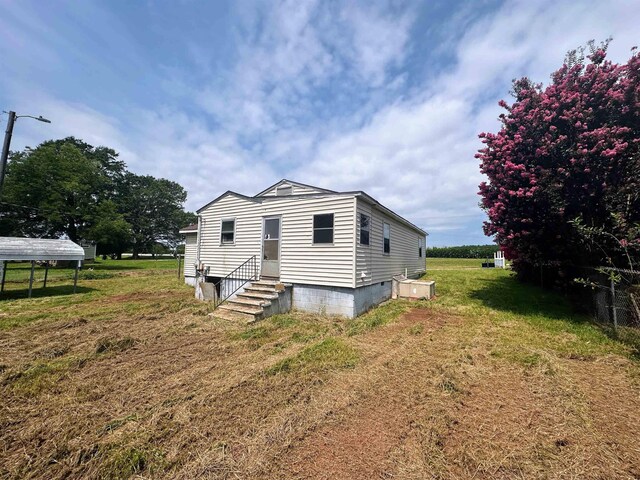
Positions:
{"x": 259, "y": 300}
{"x": 260, "y": 289}
{"x": 258, "y": 295}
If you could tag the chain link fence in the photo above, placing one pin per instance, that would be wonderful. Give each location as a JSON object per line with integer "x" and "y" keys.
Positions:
{"x": 616, "y": 297}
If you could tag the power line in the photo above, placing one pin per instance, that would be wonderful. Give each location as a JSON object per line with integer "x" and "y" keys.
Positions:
{"x": 69, "y": 212}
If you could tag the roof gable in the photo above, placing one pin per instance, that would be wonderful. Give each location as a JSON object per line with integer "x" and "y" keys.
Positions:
{"x": 298, "y": 188}
{"x": 226, "y": 194}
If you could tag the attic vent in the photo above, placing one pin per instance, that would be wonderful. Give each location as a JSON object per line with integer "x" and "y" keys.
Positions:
{"x": 284, "y": 190}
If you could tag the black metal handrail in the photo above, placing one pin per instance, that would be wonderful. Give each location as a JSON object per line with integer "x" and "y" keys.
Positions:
{"x": 234, "y": 281}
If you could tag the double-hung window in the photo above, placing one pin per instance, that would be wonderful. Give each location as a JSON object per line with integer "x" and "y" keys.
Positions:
{"x": 386, "y": 238}
{"x": 228, "y": 231}
{"x": 365, "y": 226}
{"x": 323, "y": 228}
{"x": 420, "y": 246}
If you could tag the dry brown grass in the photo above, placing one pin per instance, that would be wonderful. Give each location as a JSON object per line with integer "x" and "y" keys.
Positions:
{"x": 431, "y": 394}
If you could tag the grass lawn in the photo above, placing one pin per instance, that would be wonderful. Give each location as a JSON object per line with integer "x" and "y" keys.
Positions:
{"x": 454, "y": 263}
{"x": 134, "y": 378}
{"x": 19, "y": 272}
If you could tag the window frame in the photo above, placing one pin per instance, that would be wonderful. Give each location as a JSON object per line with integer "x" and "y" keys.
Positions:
{"x": 384, "y": 252}
{"x": 313, "y": 229}
{"x": 368, "y": 230}
{"x": 222, "y": 221}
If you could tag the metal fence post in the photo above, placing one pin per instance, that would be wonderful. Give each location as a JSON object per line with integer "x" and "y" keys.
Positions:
{"x": 613, "y": 304}
{"x": 33, "y": 266}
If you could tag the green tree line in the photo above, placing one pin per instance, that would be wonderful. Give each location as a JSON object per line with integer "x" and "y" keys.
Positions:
{"x": 70, "y": 188}
{"x": 464, "y": 251}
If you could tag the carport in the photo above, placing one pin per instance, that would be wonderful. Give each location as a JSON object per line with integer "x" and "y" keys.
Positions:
{"x": 39, "y": 249}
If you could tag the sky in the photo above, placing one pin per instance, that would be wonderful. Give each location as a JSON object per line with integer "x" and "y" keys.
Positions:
{"x": 385, "y": 97}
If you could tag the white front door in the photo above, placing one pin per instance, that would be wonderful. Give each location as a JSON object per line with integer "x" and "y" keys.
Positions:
{"x": 271, "y": 247}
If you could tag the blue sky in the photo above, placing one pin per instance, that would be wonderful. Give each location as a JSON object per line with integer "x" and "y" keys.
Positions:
{"x": 386, "y": 97}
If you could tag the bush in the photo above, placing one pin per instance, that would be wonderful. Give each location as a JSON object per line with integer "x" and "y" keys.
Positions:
{"x": 562, "y": 172}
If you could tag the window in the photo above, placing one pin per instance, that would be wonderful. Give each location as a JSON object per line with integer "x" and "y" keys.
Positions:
{"x": 227, "y": 231}
{"x": 323, "y": 228}
{"x": 420, "y": 246}
{"x": 386, "y": 236}
{"x": 365, "y": 223}
{"x": 284, "y": 190}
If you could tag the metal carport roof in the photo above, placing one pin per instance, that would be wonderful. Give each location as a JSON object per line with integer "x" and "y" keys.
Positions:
{"x": 33, "y": 249}
{"x": 17, "y": 248}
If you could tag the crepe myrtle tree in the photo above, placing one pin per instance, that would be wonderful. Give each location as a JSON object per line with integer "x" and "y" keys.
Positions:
{"x": 563, "y": 171}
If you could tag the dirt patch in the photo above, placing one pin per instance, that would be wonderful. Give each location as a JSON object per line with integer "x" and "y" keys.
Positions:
{"x": 356, "y": 449}
{"x": 357, "y": 442}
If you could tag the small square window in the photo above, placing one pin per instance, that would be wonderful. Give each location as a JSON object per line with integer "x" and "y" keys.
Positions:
{"x": 227, "y": 231}
{"x": 323, "y": 228}
{"x": 386, "y": 238}
{"x": 365, "y": 225}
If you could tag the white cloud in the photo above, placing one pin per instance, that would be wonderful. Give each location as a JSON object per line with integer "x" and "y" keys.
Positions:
{"x": 379, "y": 40}
{"x": 417, "y": 155}
{"x": 413, "y": 149}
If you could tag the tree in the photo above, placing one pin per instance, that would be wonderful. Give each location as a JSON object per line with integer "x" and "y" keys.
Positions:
{"x": 70, "y": 188}
{"x": 563, "y": 172}
{"x": 154, "y": 209}
{"x": 111, "y": 232}
{"x": 50, "y": 191}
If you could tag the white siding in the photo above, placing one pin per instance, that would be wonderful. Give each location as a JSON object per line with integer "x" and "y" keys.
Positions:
{"x": 296, "y": 190}
{"x": 223, "y": 259}
{"x": 378, "y": 266}
{"x": 300, "y": 260}
{"x": 190, "y": 254}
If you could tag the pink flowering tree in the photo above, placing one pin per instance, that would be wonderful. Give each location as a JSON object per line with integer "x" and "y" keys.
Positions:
{"x": 563, "y": 171}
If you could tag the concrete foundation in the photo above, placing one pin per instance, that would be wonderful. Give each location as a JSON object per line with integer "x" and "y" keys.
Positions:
{"x": 346, "y": 302}
{"x": 365, "y": 298}
{"x": 279, "y": 305}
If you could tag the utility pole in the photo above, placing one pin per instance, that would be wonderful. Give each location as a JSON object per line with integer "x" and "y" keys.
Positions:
{"x": 7, "y": 142}
{"x": 5, "y": 147}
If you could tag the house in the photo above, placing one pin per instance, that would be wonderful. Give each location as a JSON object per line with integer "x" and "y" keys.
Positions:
{"x": 336, "y": 252}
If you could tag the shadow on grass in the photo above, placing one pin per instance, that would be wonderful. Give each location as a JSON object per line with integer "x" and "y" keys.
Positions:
{"x": 532, "y": 302}
{"x": 40, "y": 292}
{"x": 508, "y": 294}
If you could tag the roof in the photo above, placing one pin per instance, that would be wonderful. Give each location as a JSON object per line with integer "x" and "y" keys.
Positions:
{"x": 228, "y": 192}
{"x": 18, "y": 248}
{"x": 193, "y": 228}
{"x": 369, "y": 199}
{"x": 324, "y": 192}
{"x": 291, "y": 182}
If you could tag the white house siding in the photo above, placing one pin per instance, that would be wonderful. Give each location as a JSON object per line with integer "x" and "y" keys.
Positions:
{"x": 223, "y": 259}
{"x": 190, "y": 254}
{"x": 380, "y": 267}
{"x": 301, "y": 262}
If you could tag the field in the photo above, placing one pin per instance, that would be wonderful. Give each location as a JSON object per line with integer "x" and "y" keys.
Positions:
{"x": 133, "y": 378}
